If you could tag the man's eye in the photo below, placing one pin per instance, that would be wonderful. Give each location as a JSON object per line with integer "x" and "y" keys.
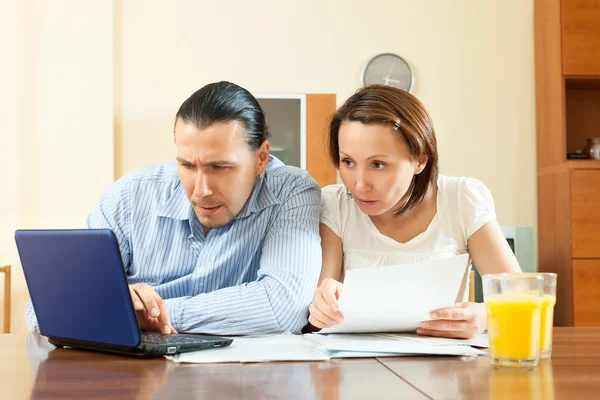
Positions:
{"x": 220, "y": 167}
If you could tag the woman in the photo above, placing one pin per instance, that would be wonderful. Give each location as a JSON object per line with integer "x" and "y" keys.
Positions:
{"x": 394, "y": 208}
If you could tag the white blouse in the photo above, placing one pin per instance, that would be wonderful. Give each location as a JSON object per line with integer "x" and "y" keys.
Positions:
{"x": 463, "y": 206}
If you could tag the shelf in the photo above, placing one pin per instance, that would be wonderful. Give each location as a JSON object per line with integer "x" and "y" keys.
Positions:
{"x": 582, "y": 98}
{"x": 569, "y": 164}
{"x": 583, "y": 164}
{"x": 578, "y": 82}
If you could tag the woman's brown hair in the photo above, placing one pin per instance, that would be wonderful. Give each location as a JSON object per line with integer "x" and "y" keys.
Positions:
{"x": 381, "y": 104}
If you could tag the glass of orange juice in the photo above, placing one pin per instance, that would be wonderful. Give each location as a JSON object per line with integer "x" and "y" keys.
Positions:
{"x": 548, "y": 302}
{"x": 514, "y": 312}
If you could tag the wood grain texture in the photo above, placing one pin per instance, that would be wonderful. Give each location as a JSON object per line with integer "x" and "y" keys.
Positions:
{"x": 573, "y": 372}
{"x": 549, "y": 84}
{"x": 32, "y": 368}
{"x": 554, "y": 239}
{"x": 581, "y": 37}
{"x": 319, "y": 109}
{"x": 6, "y": 270}
{"x": 585, "y": 202}
{"x": 586, "y": 284}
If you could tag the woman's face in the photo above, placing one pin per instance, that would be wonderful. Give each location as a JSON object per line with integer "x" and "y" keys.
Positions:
{"x": 375, "y": 165}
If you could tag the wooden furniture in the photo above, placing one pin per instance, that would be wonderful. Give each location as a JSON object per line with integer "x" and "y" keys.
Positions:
{"x": 472, "y": 286}
{"x": 298, "y": 124}
{"x": 31, "y": 368}
{"x": 573, "y": 372}
{"x": 567, "y": 68}
{"x": 7, "y": 282}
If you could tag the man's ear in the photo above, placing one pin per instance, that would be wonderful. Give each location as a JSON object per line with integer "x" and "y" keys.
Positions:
{"x": 263, "y": 157}
{"x": 422, "y": 163}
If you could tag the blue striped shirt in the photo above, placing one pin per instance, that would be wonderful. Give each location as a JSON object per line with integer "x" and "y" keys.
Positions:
{"x": 255, "y": 275}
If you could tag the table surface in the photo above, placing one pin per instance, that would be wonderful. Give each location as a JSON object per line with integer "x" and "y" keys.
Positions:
{"x": 31, "y": 368}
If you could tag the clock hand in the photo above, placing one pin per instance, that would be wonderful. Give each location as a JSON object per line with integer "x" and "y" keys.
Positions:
{"x": 391, "y": 69}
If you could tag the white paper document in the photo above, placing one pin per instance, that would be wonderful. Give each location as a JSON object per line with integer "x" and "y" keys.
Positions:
{"x": 398, "y": 298}
{"x": 480, "y": 340}
{"x": 371, "y": 344}
{"x": 285, "y": 347}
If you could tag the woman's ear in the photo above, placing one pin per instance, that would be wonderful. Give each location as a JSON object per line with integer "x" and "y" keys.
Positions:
{"x": 421, "y": 164}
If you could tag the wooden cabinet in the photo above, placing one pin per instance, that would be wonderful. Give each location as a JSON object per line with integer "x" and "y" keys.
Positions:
{"x": 581, "y": 37}
{"x": 567, "y": 68}
{"x": 585, "y": 213}
{"x": 586, "y": 304}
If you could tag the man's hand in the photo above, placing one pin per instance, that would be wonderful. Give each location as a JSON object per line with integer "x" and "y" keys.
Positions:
{"x": 152, "y": 313}
{"x": 462, "y": 321}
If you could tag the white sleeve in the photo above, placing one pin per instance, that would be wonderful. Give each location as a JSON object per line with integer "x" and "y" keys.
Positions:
{"x": 330, "y": 208}
{"x": 476, "y": 205}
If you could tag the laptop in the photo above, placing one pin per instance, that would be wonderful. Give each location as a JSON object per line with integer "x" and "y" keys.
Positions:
{"x": 81, "y": 297}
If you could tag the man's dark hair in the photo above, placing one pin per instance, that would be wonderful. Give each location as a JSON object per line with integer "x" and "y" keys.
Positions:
{"x": 223, "y": 102}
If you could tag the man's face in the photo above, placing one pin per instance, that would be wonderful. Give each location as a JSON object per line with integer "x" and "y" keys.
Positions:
{"x": 217, "y": 169}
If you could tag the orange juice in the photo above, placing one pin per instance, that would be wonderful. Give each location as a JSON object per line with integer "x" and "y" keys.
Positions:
{"x": 514, "y": 327}
{"x": 548, "y": 302}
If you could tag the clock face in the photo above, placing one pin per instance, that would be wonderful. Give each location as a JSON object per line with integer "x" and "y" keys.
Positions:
{"x": 388, "y": 69}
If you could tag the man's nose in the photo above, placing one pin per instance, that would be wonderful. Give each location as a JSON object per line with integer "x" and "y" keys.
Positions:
{"x": 202, "y": 185}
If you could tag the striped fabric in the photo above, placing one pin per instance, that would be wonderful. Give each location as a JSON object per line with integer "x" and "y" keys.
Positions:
{"x": 255, "y": 275}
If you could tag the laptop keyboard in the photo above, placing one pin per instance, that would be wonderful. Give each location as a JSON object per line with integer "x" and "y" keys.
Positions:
{"x": 159, "y": 338}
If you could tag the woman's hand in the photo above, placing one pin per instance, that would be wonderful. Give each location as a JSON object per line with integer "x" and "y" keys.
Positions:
{"x": 462, "y": 321}
{"x": 324, "y": 308}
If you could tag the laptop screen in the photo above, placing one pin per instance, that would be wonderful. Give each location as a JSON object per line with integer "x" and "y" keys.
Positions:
{"x": 78, "y": 286}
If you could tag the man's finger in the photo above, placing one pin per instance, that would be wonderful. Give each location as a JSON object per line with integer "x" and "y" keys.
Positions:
{"x": 146, "y": 295}
{"x": 137, "y": 304}
{"x": 163, "y": 318}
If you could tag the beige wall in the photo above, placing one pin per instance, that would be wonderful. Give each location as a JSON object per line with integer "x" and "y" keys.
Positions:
{"x": 57, "y": 150}
{"x": 472, "y": 59}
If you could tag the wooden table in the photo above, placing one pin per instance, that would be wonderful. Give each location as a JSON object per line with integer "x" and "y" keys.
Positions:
{"x": 31, "y": 368}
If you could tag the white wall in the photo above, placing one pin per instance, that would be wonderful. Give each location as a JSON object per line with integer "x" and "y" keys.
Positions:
{"x": 133, "y": 63}
{"x": 57, "y": 148}
{"x": 473, "y": 62}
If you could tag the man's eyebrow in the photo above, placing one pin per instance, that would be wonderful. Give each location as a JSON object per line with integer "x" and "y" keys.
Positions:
{"x": 207, "y": 164}
{"x": 183, "y": 161}
{"x": 217, "y": 162}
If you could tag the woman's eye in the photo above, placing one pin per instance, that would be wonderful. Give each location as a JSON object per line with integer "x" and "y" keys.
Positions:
{"x": 348, "y": 163}
{"x": 378, "y": 165}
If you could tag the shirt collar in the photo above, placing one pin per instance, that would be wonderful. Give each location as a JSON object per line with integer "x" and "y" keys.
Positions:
{"x": 261, "y": 198}
{"x": 177, "y": 206}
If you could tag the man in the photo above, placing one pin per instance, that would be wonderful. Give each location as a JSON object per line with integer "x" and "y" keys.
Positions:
{"x": 225, "y": 240}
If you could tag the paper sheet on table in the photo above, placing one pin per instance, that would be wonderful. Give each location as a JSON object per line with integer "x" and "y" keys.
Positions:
{"x": 480, "y": 340}
{"x": 283, "y": 347}
{"x": 376, "y": 344}
{"x": 397, "y": 298}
